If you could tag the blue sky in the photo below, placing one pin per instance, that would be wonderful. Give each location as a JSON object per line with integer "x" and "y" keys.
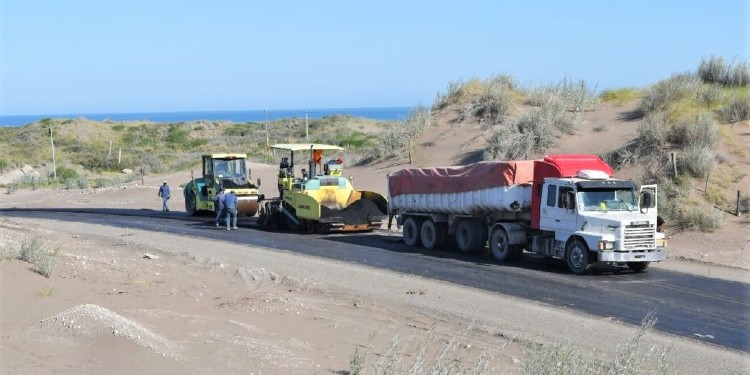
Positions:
{"x": 60, "y": 57}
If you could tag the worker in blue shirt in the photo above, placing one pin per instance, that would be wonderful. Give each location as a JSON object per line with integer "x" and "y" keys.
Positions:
{"x": 219, "y": 205}
{"x": 230, "y": 204}
{"x": 165, "y": 195}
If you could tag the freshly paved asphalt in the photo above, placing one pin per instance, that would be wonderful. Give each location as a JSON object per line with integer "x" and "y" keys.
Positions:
{"x": 707, "y": 309}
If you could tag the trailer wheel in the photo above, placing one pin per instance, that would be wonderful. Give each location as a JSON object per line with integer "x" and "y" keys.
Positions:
{"x": 577, "y": 256}
{"x": 432, "y": 234}
{"x": 638, "y": 266}
{"x": 468, "y": 236}
{"x": 500, "y": 245}
{"x": 411, "y": 231}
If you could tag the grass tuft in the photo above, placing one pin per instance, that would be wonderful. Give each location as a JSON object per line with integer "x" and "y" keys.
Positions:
{"x": 620, "y": 96}
{"x": 356, "y": 363}
{"x": 46, "y": 292}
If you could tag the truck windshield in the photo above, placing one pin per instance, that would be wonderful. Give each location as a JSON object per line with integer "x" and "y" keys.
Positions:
{"x": 607, "y": 200}
{"x": 234, "y": 168}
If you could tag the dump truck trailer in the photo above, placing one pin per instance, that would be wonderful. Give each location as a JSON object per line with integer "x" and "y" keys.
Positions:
{"x": 568, "y": 207}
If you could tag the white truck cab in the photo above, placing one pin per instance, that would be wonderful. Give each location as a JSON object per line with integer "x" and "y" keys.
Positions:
{"x": 594, "y": 214}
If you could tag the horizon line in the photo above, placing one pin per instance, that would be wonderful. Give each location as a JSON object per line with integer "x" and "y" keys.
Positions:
{"x": 301, "y": 110}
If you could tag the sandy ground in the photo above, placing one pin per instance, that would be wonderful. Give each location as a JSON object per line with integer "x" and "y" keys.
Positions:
{"x": 199, "y": 306}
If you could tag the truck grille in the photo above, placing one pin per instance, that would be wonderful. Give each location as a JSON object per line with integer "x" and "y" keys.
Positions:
{"x": 639, "y": 237}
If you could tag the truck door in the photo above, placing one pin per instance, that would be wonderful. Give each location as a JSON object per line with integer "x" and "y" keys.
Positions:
{"x": 554, "y": 216}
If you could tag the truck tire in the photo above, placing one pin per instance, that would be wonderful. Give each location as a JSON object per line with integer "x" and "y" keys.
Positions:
{"x": 578, "y": 257}
{"x": 501, "y": 248}
{"x": 432, "y": 234}
{"x": 638, "y": 266}
{"x": 468, "y": 236}
{"x": 411, "y": 231}
{"x": 500, "y": 245}
{"x": 190, "y": 203}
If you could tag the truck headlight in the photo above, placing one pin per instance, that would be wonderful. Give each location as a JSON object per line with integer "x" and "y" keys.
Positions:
{"x": 661, "y": 242}
{"x": 606, "y": 245}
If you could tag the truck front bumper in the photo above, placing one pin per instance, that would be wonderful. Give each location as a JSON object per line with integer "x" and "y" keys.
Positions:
{"x": 656, "y": 255}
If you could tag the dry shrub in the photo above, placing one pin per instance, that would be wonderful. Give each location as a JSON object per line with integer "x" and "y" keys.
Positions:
{"x": 737, "y": 110}
{"x": 697, "y": 161}
{"x": 533, "y": 131}
{"x": 33, "y": 251}
{"x": 715, "y": 70}
{"x": 701, "y": 133}
{"x": 706, "y": 219}
{"x": 665, "y": 92}
{"x": 631, "y": 358}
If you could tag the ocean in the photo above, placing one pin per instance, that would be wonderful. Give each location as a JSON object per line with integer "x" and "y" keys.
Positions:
{"x": 378, "y": 113}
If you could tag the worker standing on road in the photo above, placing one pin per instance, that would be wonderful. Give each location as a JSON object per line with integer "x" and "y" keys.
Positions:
{"x": 219, "y": 204}
{"x": 165, "y": 195}
{"x": 230, "y": 204}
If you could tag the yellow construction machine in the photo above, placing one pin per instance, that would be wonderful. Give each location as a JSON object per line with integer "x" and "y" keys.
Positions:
{"x": 226, "y": 171}
{"x": 318, "y": 198}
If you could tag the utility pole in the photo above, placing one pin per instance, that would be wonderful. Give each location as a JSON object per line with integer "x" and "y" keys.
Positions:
{"x": 265, "y": 125}
{"x": 307, "y": 132}
{"x": 52, "y": 142}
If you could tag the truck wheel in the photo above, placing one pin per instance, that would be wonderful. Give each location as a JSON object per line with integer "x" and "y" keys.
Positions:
{"x": 468, "y": 236}
{"x": 500, "y": 245}
{"x": 432, "y": 234}
{"x": 638, "y": 266}
{"x": 411, "y": 232}
{"x": 190, "y": 203}
{"x": 577, "y": 256}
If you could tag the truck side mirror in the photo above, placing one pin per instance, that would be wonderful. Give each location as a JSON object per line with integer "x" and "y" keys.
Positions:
{"x": 258, "y": 184}
{"x": 569, "y": 200}
{"x": 647, "y": 200}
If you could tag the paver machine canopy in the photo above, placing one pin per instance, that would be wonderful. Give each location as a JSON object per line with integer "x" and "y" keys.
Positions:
{"x": 315, "y": 196}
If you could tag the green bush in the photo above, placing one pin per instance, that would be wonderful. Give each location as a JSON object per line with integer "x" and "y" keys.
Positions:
{"x": 65, "y": 173}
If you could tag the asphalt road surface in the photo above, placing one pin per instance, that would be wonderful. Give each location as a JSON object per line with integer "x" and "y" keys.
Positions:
{"x": 711, "y": 310}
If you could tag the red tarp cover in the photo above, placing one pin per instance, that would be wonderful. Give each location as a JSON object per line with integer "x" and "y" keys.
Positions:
{"x": 477, "y": 176}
